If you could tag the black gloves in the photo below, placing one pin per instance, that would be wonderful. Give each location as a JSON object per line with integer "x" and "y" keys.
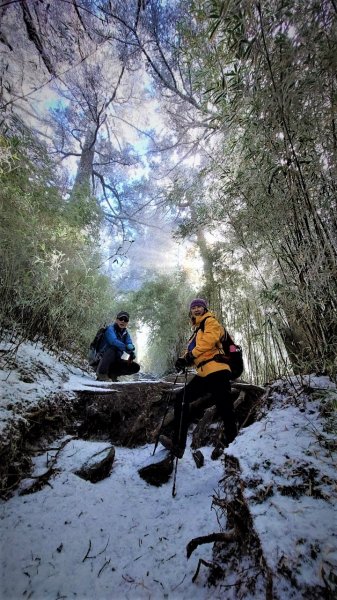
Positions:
{"x": 180, "y": 364}
{"x": 189, "y": 358}
{"x": 184, "y": 361}
{"x": 132, "y": 356}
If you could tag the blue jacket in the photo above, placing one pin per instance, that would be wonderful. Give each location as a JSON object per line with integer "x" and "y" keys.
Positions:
{"x": 119, "y": 338}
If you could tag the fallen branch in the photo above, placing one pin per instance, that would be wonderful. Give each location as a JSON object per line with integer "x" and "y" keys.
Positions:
{"x": 178, "y": 584}
{"x": 105, "y": 565}
{"x": 40, "y": 481}
{"x": 225, "y": 536}
{"x": 99, "y": 553}
{"x": 59, "y": 449}
{"x": 250, "y": 412}
{"x": 87, "y": 554}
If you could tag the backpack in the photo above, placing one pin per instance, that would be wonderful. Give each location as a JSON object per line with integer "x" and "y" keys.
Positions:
{"x": 232, "y": 353}
{"x": 93, "y": 354}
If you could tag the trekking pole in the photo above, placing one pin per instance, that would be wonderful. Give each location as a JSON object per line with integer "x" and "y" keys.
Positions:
{"x": 174, "y": 493}
{"x": 165, "y": 413}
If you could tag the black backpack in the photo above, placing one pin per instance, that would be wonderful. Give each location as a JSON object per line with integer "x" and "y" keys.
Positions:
{"x": 233, "y": 358}
{"x": 93, "y": 355}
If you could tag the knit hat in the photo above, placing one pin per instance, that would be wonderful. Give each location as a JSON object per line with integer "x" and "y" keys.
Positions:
{"x": 198, "y": 302}
{"x": 123, "y": 313}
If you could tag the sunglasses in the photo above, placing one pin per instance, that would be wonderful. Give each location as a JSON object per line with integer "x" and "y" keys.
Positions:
{"x": 124, "y": 320}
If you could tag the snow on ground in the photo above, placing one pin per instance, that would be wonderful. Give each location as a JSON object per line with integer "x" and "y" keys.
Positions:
{"x": 288, "y": 466}
{"x": 123, "y": 538}
{"x": 29, "y": 373}
{"x": 119, "y": 538}
{"x": 137, "y": 533}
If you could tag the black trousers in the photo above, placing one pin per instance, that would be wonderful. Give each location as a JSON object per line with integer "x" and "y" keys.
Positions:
{"x": 111, "y": 364}
{"x": 218, "y": 385}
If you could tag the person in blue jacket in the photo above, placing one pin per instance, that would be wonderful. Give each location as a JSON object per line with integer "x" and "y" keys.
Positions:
{"x": 115, "y": 342}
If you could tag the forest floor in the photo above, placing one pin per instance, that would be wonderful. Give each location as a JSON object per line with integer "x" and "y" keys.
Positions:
{"x": 273, "y": 493}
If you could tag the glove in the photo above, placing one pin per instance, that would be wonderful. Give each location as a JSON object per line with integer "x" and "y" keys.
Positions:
{"x": 184, "y": 361}
{"x": 132, "y": 356}
{"x": 189, "y": 358}
{"x": 130, "y": 348}
{"x": 181, "y": 364}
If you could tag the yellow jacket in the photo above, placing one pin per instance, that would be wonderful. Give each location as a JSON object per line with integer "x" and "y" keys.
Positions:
{"x": 207, "y": 345}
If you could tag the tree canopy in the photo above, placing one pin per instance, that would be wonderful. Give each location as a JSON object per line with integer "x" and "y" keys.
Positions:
{"x": 215, "y": 120}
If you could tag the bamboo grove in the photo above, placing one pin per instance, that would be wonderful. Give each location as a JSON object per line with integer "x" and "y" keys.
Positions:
{"x": 243, "y": 161}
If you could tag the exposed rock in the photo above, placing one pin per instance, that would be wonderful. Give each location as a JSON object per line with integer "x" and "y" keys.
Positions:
{"x": 124, "y": 413}
{"x": 98, "y": 467}
{"x": 127, "y": 413}
{"x": 42, "y": 423}
{"x": 246, "y": 399}
{"x": 199, "y": 458}
{"x": 206, "y": 432}
{"x": 157, "y": 468}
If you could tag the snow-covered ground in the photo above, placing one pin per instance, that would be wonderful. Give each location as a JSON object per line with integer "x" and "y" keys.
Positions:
{"x": 123, "y": 538}
{"x": 136, "y": 533}
{"x": 288, "y": 470}
{"x": 29, "y": 373}
{"x": 119, "y": 538}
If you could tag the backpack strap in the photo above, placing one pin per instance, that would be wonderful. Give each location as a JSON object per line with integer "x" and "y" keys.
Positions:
{"x": 202, "y": 324}
{"x": 218, "y": 357}
{"x": 224, "y": 337}
{"x": 233, "y": 359}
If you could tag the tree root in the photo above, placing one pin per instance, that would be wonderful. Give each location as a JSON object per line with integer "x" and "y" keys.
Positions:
{"x": 206, "y": 563}
{"x": 42, "y": 480}
{"x": 248, "y": 387}
{"x": 225, "y": 536}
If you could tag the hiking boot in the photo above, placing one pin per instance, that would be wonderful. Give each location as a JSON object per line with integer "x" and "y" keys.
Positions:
{"x": 169, "y": 445}
{"x": 102, "y": 377}
{"x": 217, "y": 451}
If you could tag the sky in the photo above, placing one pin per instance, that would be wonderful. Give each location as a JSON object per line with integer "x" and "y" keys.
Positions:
{"x": 123, "y": 538}
{"x": 137, "y": 109}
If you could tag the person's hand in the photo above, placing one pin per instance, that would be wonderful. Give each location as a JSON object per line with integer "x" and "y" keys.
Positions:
{"x": 132, "y": 356}
{"x": 130, "y": 348}
{"x": 189, "y": 358}
{"x": 181, "y": 364}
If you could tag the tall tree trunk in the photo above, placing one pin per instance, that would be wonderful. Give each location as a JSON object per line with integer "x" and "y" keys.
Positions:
{"x": 82, "y": 183}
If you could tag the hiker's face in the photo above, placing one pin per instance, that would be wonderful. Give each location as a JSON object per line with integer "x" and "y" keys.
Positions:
{"x": 197, "y": 311}
{"x": 122, "y": 323}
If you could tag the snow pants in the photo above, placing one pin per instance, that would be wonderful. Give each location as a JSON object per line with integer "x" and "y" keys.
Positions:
{"x": 219, "y": 387}
{"x": 112, "y": 365}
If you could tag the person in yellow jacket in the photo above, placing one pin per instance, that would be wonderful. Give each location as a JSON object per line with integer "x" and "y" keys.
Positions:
{"x": 213, "y": 377}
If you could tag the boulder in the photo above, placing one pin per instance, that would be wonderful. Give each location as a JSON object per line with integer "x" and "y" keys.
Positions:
{"x": 98, "y": 467}
{"x": 158, "y": 468}
{"x": 199, "y": 458}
